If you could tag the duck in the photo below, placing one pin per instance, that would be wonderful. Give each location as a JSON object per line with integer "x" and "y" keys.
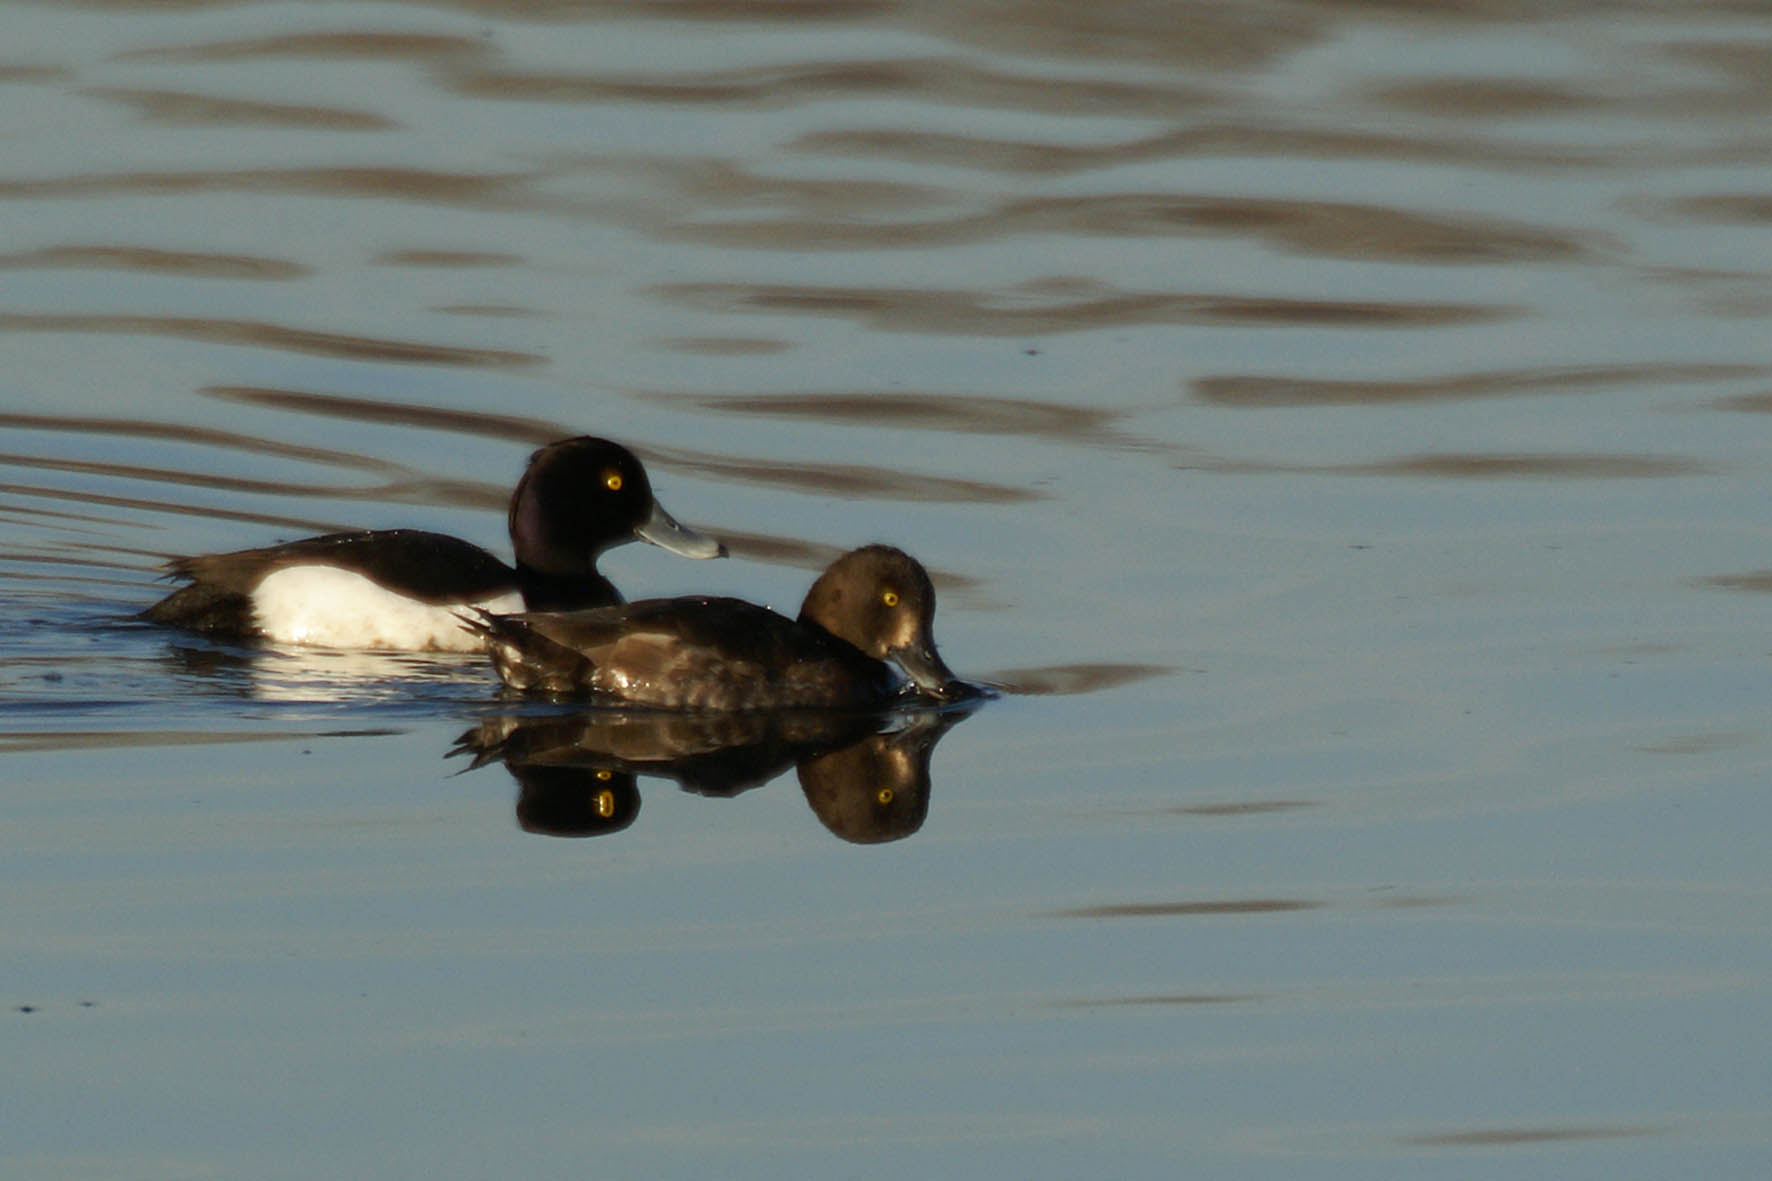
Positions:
{"x": 402, "y": 589}
{"x": 872, "y": 605}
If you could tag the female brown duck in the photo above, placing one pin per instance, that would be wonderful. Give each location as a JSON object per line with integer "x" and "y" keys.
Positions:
{"x": 872, "y": 605}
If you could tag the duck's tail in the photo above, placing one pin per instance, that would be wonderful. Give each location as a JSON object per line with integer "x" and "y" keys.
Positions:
{"x": 526, "y": 659}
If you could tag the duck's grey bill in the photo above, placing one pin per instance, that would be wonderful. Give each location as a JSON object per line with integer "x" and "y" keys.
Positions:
{"x": 925, "y": 668}
{"x": 662, "y": 530}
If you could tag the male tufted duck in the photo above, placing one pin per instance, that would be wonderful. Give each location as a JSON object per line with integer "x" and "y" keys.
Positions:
{"x": 871, "y": 605}
{"x": 401, "y": 588}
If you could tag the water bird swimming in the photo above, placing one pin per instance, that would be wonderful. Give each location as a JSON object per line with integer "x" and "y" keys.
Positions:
{"x": 402, "y": 588}
{"x": 871, "y": 605}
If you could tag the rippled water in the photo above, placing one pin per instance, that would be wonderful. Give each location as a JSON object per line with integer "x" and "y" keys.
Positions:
{"x": 1340, "y": 429}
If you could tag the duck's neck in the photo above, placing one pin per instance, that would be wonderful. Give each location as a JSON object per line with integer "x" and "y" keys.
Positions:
{"x": 543, "y": 591}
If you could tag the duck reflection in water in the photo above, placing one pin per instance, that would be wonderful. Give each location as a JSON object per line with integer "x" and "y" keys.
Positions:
{"x": 866, "y": 776}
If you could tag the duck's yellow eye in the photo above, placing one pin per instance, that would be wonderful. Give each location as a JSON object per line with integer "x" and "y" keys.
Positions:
{"x": 604, "y": 774}
{"x": 612, "y": 481}
{"x": 890, "y": 598}
{"x": 884, "y": 796}
{"x": 605, "y": 804}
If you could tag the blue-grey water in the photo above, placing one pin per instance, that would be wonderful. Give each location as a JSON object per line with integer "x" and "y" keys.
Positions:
{"x": 1342, "y": 429}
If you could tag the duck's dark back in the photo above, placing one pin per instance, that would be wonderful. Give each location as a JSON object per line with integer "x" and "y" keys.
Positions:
{"x": 702, "y": 653}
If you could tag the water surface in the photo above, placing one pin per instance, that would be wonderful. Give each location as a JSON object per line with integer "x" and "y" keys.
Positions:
{"x": 1340, "y": 431}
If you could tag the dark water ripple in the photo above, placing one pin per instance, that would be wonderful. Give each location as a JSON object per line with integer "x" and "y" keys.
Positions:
{"x": 1726, "y": 209}
{"x": 1045, "y": 308}
{"x": 177, "y": 108}
{"x": 1063, "y": 680}
{"x": 851, "y": 480}
{"x": 449, "y": 258}
{"x": 1757, "y": 581}
{"x": 819, "y": 215}
{"x": 1166, "y": 1000}
{"x": 968, "y": 413}
{"x": 1515, "y": 1136}
{"x": 1532, "y": 466}
{"x": 144, "y": 504}
{"x": 507, "y": 190}
{"x": 322, "y": 45}
{"x": 1189, "y": 909}
{"x": 193, "y": 264}
{"x": 137, "y": 428}
{"x": 1252, "y": 391}
{"x": 948, "y": 80}
{"x": 260, "y": 334}
{"x": 349, "y": 408}
{"x": 1204, "y": 139}
{"x": 1242, "y": 808}
{"x": 846, "y": 480}
{"x": 1473, "y": 465}
{"x": 407, "y": 491}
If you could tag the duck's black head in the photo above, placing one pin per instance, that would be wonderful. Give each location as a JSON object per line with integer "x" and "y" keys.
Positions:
{"x": 880, "y": 599}
{"x": 581, "y": 496}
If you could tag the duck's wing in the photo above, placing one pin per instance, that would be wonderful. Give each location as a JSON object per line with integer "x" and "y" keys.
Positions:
{"x": 430, "y": 567}
{"x": 667, "y": 652}
{"x": 688, "y": 653}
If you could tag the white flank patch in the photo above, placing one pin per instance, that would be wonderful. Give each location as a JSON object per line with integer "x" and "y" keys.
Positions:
{"x": 334, "y": 608}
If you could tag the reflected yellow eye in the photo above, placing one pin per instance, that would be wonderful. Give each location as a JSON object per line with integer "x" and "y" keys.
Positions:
{"x": 612, "y": 481}
{"x": 884, "y": 796}
{"x": 890, "y": 598}
{"x": 605, "y": 804}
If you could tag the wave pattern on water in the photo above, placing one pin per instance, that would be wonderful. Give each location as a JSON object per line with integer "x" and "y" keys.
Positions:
{"x": 1046, "y": 308}
{"x": 1514, "y": 1136}
{"x": 178, "y": 107}
{"x": 818, "y": 215}
{"x": 159, "y": 262}
{"x": 258, "y": 334}
{"x": 1341, "y": 425}
{"x": 1255, "y": 392}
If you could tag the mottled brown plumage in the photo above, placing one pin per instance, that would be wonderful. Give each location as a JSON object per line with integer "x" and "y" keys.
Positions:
{"x": 873, "y": 604}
